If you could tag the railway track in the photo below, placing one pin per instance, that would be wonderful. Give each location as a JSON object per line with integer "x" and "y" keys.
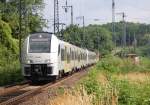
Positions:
{"x": 25, "y": 92}
{"x": 12, "y": 90}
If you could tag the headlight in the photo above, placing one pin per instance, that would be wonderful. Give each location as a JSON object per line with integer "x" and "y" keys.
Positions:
{"x": 48, "y": 61}
{"x": 29, "y": 61}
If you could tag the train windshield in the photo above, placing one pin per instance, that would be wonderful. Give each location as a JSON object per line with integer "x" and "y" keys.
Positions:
{"x": 39, "y": 44}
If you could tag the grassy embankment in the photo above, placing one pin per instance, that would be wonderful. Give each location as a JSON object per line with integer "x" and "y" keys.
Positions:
{"x": 113, "y": 81}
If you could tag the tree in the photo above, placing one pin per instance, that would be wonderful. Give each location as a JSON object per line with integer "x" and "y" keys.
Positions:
{"x": 92, "y": 37}
{"x": 31, "y": 19}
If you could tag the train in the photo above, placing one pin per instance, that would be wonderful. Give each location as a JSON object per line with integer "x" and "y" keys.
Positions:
{"x": 46, "y": 57}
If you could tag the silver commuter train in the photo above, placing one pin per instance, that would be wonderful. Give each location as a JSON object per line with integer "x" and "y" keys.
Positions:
{"x": 45, "y": 57}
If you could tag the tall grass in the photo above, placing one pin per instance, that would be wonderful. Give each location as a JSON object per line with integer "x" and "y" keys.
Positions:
{"x": 118, "y": 91}
{"x": 114, "y": 64}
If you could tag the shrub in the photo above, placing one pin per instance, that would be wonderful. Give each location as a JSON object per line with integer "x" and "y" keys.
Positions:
{"x": 109, "y": 64}
{"x": 90, "y": 84}
{"x": 132, "y": 94}
{"x": 10, "y": 73}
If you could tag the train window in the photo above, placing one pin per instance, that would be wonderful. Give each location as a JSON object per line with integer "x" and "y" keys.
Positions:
{"x": 65, "y": 54}
{"x": 78, "y": 57}
{"x": 68, "y": 58}
{"x": 62, "y": 55}
{"x": 58, "y": 50}
{"x": 84, "y": 57}
{"x": 72, "y": 55}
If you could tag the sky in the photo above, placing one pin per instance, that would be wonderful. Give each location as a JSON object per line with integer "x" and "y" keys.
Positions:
{"x": 135, "y": 10}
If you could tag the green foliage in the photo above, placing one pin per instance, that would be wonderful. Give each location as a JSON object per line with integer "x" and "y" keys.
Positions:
{"x": 73, "y": 35}
{"x": 122, "y": 91}
{"x": 6, "y": 38}
{"x": 143, "y": 51}
{"x": 112, "y": 64}
{"x": 91, "y": 37}
{"x": 132, "y": 94}
{"x": 99, "y": 37}
{"x": 11, "y": 73}
{"x": 134, "y": 31}
{"x": 32, "y": 20}
{"x": 91, "y": 85}
{"x": 145, "y": 40}
{"x": 109, "y": 63}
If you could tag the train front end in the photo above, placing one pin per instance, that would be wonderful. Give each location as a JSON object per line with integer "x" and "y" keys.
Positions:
{"x": 39, "y": 57}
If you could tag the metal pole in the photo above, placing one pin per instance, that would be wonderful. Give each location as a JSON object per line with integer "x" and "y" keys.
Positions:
{"x": 83, "y": 21}
{"x": 113, "y": 22}
{"x": 135, "y": 43}
{"x": 83, "y": 31}
{"x": 124, "y": 28}
{"x": 54, "y": 16}
{"x": 72, "y": 15}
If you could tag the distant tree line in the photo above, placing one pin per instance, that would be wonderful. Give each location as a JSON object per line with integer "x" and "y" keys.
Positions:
{"x": 99, "y": 37}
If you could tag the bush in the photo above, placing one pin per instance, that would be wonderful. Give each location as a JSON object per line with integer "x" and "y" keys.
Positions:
{"x": 11, "y": 73}
{"x": 132, "y": 94}
{"x": 143, "y": 51}
{"x": 7, "y": 40}
{"x": 90, "y": 84}
{"x": 109, "y": 64}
